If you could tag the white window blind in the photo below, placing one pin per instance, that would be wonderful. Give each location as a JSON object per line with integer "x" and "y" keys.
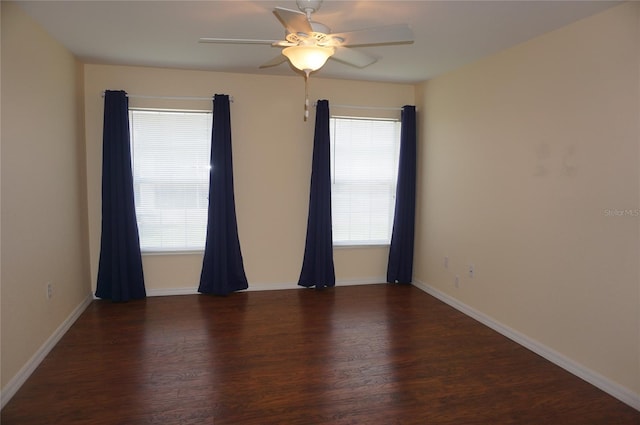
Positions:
{"x": 364, "y": 170}
{"x": 170, "y": 161}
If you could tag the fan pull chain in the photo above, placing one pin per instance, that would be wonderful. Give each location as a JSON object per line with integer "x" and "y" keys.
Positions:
{"x": 306, "y": 95}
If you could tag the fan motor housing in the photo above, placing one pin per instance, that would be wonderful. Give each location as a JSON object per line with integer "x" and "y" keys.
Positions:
{"x": 321, "y": 28}
{"x": 320, "y": 35}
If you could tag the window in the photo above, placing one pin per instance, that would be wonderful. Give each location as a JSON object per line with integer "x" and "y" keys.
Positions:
{"x": 170, "y": 161}
{"x": 364, "y": 170}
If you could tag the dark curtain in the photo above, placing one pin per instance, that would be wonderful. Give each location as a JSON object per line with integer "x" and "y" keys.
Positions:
{"x": 222, "y": 267}
{"x": 400, "y": 267}
{"x": 317, "y": 266}
{"x": 120, "y": 276}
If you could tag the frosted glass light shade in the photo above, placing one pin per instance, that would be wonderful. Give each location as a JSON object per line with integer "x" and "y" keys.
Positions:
{"x": 308, "y": 58}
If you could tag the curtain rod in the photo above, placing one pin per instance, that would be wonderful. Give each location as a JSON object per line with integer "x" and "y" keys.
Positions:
{"x": 380, "y": 108}
{"x": 141, "y": 96}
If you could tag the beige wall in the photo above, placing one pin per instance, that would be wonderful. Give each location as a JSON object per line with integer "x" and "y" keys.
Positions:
{"x": 521, "y": 156}
{"x": 44, "y": 235}
{"x": 272, "y": 148}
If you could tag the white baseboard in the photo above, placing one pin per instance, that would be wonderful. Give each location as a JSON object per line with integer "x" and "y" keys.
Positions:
{"x": 369, "y": 281}
{"x": 23, "y": 374}
{"x": 262, "y": 287}
{"x": 162, "y": 292}
{"x": 621, "y": 393}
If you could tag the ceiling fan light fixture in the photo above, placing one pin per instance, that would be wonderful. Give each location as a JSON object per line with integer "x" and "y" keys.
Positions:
{"x": 308, "y": 58}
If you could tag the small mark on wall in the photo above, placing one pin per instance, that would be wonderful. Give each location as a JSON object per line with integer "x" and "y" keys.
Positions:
{"x": 543, "y": 156}
{"x": 568, "y": 161}
{"x": 562, "y": 163}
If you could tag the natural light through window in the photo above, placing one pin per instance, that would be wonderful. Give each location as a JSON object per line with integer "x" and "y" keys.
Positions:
{"x": 170, "y": 159}
{"x": 364, "y": 169}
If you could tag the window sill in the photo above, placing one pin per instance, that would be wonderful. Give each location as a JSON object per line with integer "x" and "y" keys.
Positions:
{"x": 154, "y": 253}
{"x": 352, "y": 246}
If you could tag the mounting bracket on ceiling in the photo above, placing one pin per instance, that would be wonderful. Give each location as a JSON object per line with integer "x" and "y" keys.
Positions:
{"x": 309, "y": 6}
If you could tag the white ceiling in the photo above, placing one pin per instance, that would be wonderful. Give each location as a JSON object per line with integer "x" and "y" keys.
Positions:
{"x": 448, "y": 34}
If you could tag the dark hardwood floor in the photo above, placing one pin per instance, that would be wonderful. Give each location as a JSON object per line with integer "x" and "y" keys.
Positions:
{"x": 374, "y": 354}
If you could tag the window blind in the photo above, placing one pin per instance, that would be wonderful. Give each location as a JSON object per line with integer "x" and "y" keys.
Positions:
{"x": 364, "y": 168}
{"x": 170, "y": 155}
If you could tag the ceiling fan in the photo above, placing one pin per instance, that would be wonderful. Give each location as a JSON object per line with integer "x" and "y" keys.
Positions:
{"x": 309, "y": 44}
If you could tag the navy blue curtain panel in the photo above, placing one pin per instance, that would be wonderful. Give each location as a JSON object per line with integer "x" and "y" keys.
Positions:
{"x": 222, "y": 267}
{"x": 400, "y": 266}
{"x": 120, "y": 276}
{"x": 317, "y": 266}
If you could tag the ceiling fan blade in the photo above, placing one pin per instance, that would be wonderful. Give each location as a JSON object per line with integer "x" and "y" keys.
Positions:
{"x": 235, "y": 41}
{"x": 391, "y": 34}
{"x": 353, "y": 57}
{"x": 275, "y": 61}
{"x": 293, "y": 21}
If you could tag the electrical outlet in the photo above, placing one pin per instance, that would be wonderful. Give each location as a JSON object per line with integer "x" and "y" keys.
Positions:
{"x": 446, "y": 262}
{"x": 472, "y": 271}
{"x": 49, "y": 290}
{"x": 456, "y": 282}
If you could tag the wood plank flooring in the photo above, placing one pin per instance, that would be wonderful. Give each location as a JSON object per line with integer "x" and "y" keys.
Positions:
{"x": 373, "y": 354}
